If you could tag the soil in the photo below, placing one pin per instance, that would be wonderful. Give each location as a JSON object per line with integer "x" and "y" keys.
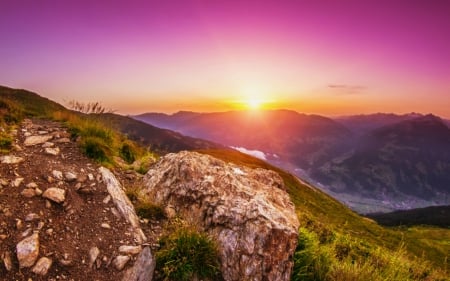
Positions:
{"x": 67, "y": 231}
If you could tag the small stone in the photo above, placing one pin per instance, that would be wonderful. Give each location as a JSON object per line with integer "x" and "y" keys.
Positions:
{"x": 52, "y": 151}
{"x": 49, "y": 231}
{"x": 37, "y": 191}
{"x": 55, "y": 194}
{"x": 105, "y": 225}
{"x": 17, "y": 182}
{"x": 130, "y": 250}
{"x": 28, "y": 251}
{"x": 26, "y": 233}
{"x": 65, "y": 260}
{"x": 17, "y": 147}
{"x": 42, "y": 266}
{"x": 120, "y": 262}
{"x": 90, "y": 177}
{"x": 57, "y": 174}
{"x": 33, "y": 140}
{"x": 48, "y": 144}
{"x": 19, "y": 224}
{"x": 48, "y": 205}
{"x": 11, "y": 159}
{"x": 93, "y": 254}
{"x": 107, "y": 199}
{"x": 32, "y": 217}
{"x": 4, "y": 182}
{"x": 42, "y": 132}
{"x": 7, "y": 260}
{"x": 3, "y": 236}
{"x": 70, "y": 176}
{"x": 63, "y": 140}
{"x": 28, "y": 193}
{"x": 32, "y": 185}
{"x": 40, "y": 225}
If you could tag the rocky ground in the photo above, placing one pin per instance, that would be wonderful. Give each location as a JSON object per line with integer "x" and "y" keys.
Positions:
{"x": 57, "y": 218}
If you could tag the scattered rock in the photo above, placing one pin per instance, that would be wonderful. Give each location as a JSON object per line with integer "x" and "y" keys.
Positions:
{"x": 28, "y": 251}
{"x": 17, "y": 182}
{"x": 4, "y": 182}
{"x": 246, "y": 210}
{"x": 42, "y": 266}
{"x": 32, "y": 185}
{"x": 143, "y": 268}
{"x": 32, "y": 217}
{"x": 120, "y": 261}
{"x": 28, "y": 192}
{"x": 63, "y": 140}
{"x": 52, "y": 151}
{"x": 130, "y": 250}
{"x": 55, "y": 194}
{"x": 19, "y": 224}
{"x": 107, "y": 199}
{"x": 37, "y": 191}
{"x": 57, "y": 174}
{"x": 11, "y": 159}
{"x": 48, "y": 144}
{"x": 91, "y": 177}
{"x": 105, "y": 225}
{"x": 93, "y": 254}
{"x": 33, "y": 140}
{"x": 70, "y": 176}
{"x": 7, "y": 262}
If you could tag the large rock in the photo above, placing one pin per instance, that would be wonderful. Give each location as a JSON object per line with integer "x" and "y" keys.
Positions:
{"x": 28, "y": 250}
{"x": 143, "y": 268}
{"x": 246, "y": 210}
{"x": 55, "y": 194}
{"x": 122, "y": 203}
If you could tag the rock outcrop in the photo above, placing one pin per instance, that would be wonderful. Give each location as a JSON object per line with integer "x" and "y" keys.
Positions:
{"x": 246, "y": 210}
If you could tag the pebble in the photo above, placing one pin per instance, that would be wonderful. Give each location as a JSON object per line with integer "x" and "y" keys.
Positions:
{"x": 42, "y": 266}
{"x": 120, "y": 262}
{"x": 93, "y": 254}
{"x": 55, "y": 194}
{"x": 52, "y": 151}
{"x": 28, "y": 251}
{"x": 70, "y": 176}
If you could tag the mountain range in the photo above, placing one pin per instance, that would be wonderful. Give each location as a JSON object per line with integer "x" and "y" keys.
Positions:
{"x": 378, "y": 162}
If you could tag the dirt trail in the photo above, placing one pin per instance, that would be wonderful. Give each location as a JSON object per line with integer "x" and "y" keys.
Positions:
{"x": 57, "y": 193}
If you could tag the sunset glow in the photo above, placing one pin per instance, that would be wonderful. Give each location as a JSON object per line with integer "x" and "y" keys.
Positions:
{"x": 323, "y": 57}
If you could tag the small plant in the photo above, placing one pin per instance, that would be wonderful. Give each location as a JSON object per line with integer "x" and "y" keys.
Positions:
{"x": 5, "y": 142}
{"x": 10, "y": 111}
{"x": 129, "y": 151}
{"x": 149, "y": 210}
{"x": 96, "y": 149}
{"x": 186, "y": 255}
{"x": 89, "y": 107}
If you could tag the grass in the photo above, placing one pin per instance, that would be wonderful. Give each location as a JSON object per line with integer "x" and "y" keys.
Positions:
{"x": 338, "y": 244}
{"x": 148, "y": 210}
{"x": 187, "y": 254}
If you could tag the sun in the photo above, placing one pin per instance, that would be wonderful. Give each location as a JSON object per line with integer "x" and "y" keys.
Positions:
{"x": 253, "y": 103}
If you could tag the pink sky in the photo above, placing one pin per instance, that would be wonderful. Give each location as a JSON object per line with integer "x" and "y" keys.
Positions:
{"x": 325, "y": 57}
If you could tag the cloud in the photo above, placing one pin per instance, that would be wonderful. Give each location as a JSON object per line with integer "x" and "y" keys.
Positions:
{"x": 254, "y": 153}
{"x": 344, "y": 89}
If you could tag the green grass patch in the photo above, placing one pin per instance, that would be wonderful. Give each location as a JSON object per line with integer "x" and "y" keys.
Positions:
{"x": 187, "y": 254}
{"x": 6, "y": 142}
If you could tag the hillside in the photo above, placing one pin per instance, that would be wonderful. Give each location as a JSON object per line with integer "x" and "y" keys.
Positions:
{"x": 435, "y": 215}
{"x": 332, "y": 237}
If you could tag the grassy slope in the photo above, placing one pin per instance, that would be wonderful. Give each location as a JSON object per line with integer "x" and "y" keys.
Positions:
{"x": 315, "y": 207}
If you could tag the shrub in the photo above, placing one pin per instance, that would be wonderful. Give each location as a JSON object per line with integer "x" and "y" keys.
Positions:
{"x": 129, "y": 151}
{"x": 186, "y": 255}
{"x": 96, "y": 149}
{"x": 149, "y": 210}
{"x": 10, "y": 111}
{"x": 5, "y": 142}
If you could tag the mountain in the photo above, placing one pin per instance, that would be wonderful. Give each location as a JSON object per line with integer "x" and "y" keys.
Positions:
{"x": 284, "y": 136}
{"x": 404, "y": 165}
{"x": 361, "y": 124}
{"x": 435, "y": 215}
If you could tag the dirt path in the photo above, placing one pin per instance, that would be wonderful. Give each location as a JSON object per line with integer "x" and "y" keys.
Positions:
{"x": 56, "y": 196}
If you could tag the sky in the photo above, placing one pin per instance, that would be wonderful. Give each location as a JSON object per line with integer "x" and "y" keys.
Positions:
{"x": 325, "y": 57}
